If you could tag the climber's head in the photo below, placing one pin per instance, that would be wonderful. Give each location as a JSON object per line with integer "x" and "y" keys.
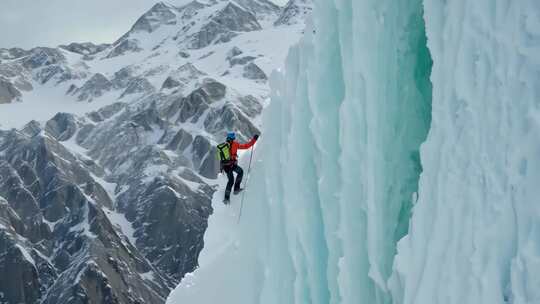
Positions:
{"x": 231, "y": 136}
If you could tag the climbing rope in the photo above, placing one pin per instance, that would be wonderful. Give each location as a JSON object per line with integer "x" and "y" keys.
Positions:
{"x": 245, "y": 185}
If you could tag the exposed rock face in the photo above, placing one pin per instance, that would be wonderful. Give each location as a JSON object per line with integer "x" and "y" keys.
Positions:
{"x": 40, "y": 57}
{"x": 190, "y": 10}
{"x": 182, "y": 76}
{"x": 8, "y": 92}
{"x": 11, "y": 69}
{"x": 169, "y": 216}
{"x": 192, "y": 107}
{"x": 205, "y": 157}
{"x": 180, "y": 141}
{"x": 252, "y": 71}
{"x": 22, "y": 84}
{"x": 170, "y": 83}
{"x": 233, "y": 56}
{"x": 85, "y": 48}
{"x": 235, "y": 51}
{"x": 51, "y": 198}
{"x": 234, "y": 18}
{"x": 21, "y": 270}
{"x": 12, "y": 53}
{"x": 49, "y": 72}
{"x": 124, "y": 46}
{"x": 106, "y": 112}
{"x": 250, "y": 105}
{"x": 39, "y": 66}
{"x": 158, "y": 15}
{"x": 241, "y": 60}
{"x": 93, "y": 88}
{"x": 260, "y": 8}
{"x": 31, "y": 129}
{"x": 138, "y": 85}
{"x": 294, "y": 12}
{"x": 170, "y": 223}
{"x": 122, "y": 77}
{"x": 62, "y": 126}
{"x": 223, "y": 25}
{"x": 183, "y": 54}
{"x": 215, "y": 90}
{"x": 229, "y": 118}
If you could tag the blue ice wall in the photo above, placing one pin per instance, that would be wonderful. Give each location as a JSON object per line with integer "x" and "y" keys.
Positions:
{"x": 341, "y": 150}
{"x": 474, "y": 235}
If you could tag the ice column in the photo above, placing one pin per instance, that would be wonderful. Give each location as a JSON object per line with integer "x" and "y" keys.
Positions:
{"x": 475, "y": 230}
{"x": 347, "y": 118}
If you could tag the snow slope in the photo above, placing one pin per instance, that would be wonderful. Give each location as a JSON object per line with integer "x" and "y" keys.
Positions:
{"x": 225, "y": 253}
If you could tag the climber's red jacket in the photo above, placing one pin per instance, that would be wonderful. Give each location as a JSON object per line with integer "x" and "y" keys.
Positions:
{"x": 235, "y": 146}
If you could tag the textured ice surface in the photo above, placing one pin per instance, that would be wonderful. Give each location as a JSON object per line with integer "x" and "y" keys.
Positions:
{"x": 339, "y": 179}
{"x": 475, "y": 234}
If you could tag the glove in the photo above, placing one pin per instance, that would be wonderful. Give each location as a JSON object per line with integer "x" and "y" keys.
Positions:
{"x": 256, "y": 136}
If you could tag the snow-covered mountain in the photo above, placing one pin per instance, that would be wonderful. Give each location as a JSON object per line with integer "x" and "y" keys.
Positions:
{"x": 107, "y": 165}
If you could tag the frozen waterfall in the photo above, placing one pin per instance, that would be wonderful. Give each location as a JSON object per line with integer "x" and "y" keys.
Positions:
{"x": 475, "y": 231}
{"x": 399, "y": 163}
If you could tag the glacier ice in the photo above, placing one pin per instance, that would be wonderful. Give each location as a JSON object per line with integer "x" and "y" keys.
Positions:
{"x": 474, "y": 234}
{"x": 398, "y": 163}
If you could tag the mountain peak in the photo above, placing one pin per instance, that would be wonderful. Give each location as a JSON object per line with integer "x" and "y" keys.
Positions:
{"x": 199, "y": 23}
{"x": 222, "y": 25}
{"x": 161, "y": 13}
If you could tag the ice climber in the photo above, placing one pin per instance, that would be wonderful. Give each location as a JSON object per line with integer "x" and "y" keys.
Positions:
{"x": 227, "y": 153}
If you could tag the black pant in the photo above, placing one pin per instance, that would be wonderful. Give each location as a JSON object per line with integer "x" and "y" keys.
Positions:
{"x": 239, "y": 174}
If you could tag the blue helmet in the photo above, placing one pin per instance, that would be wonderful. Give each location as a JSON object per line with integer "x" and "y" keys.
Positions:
{"x": 231, "y": 136}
